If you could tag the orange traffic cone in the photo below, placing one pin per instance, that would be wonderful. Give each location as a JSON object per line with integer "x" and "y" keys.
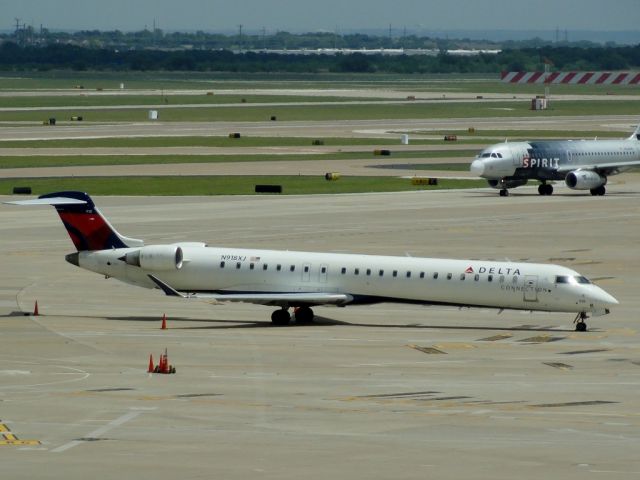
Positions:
{"x": 164, "y": 322}
{"x": 35, "y": 309}
{"x": 151, "y": 367}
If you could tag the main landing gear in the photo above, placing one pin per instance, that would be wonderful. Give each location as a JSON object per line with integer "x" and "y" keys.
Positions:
{"x": 545, "y": 189}
{"x": 581, "y": 325}
{"x": 598, "y": 191}
{"x": 504, "y": 192}
{"x": 303, "y": 315}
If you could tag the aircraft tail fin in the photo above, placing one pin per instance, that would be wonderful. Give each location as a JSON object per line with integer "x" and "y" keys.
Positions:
{"x": 636, "y": 134}
{"x": 87, "y": 227}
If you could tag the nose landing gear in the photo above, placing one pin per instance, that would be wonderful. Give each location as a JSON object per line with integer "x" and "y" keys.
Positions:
{"x": 581, "y": 325}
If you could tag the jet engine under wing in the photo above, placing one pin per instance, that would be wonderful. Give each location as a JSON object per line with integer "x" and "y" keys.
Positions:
{"x": 272, "y": 299}
{"x": 605, "y": 168}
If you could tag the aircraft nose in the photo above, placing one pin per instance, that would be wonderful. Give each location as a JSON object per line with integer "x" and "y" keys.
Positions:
{"x": 604, "y": 298}
{"x": 477, "y": 167}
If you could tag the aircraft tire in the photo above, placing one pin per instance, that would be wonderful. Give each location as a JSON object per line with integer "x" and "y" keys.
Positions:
{"x": 601, "y": 190}
{"x": 545, "y": 189}
{"x": 280, "y": 317}
{"x": 504, "y": 192}
{"x": 581, "y": 327}
{"x": 304, "y": 315}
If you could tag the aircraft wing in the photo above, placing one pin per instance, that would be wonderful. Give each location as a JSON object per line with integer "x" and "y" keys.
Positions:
{"x": 606, "y": 168}
{"x": 273, "y": 299}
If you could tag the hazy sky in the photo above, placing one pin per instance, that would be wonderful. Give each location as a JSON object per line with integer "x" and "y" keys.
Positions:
{"x": 329, "y": 15}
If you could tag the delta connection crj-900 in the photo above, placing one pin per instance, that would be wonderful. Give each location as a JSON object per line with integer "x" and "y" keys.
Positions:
{"x": 301, "y": 280}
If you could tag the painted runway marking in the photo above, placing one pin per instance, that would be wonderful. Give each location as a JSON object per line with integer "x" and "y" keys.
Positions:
{"x": 11, "y": 439}
{"x": 97, "y": 433}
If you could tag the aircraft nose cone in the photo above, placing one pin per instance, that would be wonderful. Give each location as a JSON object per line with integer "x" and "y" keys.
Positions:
{"x": 477, "y": 167}
{"x": 604, "y": 298}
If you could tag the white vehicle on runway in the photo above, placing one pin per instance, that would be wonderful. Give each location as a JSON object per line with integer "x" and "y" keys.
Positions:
{"x": 301, "y": 280}
{"x": 582, "y": 164}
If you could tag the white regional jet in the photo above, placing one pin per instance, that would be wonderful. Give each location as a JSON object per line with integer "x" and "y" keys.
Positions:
{"x": 582, "y": 164}
{"x": 301, "y": 280}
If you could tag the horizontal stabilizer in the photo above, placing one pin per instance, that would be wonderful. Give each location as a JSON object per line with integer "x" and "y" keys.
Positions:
{"x": 49, "y": 201}
{"x": 275, "y": 299}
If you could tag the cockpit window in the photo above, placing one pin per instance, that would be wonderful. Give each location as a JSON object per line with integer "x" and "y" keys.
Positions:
{"x": 486, "y": 155}
{"x": 574, "y": 280}
{"x": 493, "y": 155}
{"x": 499, "y": 155}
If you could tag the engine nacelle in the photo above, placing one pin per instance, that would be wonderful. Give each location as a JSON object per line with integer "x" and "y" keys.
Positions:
{"x": 584, "y": 180}
{"x": 156, "y": 257}
{"x": 502, "y": 183}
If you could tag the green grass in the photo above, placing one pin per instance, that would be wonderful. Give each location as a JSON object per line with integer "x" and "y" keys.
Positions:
{"x": 86, "y": 160}
{"x": 401, "y": 110}
{"x": 469, "y": 83}
{"x": 224, "y": 185}
{"x": 517, "y": 135}
{"x": 101, "y": 99}
{"x": 451, "y": 167}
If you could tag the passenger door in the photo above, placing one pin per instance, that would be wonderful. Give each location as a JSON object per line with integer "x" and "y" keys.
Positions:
{"x": 531, "y": 288}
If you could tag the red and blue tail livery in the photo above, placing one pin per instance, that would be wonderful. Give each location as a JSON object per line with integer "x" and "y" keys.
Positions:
{"x": 192, "y": 270}
{"x": 88, "y": 228}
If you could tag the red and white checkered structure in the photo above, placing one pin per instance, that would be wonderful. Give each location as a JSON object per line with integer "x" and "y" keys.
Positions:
{"x": 573, "y": 78}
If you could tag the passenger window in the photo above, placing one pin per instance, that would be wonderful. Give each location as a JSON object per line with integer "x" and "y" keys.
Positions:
{"x": 292, "y": 268}
{"x": 356, "y": 271}
{"x": 238, "y": 265}
{"x": 449, "y": 275}
{"x": 462, "y": 276}
{"x": 279, "y": 267}
{"x": 490, "y": 278}
{"x": 395, "y": 273}
{"x": 264, "y": 267}
{"x": 421, "y": 274}
{"x": 408, "y": 274}
{"x": 476, "y": 277}
{"x": 251, "y": 266}
{"x": 306, "y": 269}
{"x": 435, "y": 275}
{"x": 323, "y": 270}
{"x": 381, "y": 273}
{"x": 343, "y": 270}
{"x": 221, "y": 264}
{"x": 368, "y": 272}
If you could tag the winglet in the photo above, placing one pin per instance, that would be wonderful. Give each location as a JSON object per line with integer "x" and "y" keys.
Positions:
{"x": 167, "y": 289}
{"x": 636, "y": 134}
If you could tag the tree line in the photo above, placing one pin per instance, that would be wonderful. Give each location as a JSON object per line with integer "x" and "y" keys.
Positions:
{"x": 14, "y": 57}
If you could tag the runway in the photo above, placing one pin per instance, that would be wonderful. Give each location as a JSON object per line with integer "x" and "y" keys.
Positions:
{"x": 381, "y": 391}
{"x": 625, "y": 124}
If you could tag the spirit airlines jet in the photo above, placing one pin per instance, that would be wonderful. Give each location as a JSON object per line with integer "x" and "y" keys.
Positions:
{"x": 582, "y": 164}
{"x": 301, "y": 280}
